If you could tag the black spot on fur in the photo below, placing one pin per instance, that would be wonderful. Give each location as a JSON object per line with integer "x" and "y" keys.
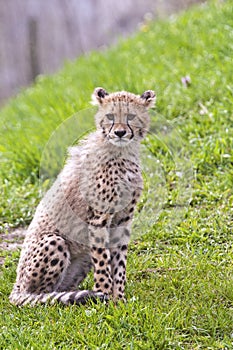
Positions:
{"x": 54, "y": 262}
{"x": 121, "y": 263}
{"x": 104, "y": 222}
{"x": 105, "y": 273}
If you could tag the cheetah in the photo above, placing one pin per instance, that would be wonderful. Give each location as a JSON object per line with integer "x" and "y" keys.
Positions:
{"x": 84, "y": 219}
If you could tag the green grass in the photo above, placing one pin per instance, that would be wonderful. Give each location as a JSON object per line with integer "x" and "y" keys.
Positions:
{"x": 180, "y": 272}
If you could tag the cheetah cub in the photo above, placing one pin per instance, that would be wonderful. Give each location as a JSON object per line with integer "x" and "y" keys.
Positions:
{"x": 84, "y": 219}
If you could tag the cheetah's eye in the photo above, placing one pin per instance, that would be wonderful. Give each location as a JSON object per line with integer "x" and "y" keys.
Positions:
{"x": 110, "y": 116}
{"x": 131, "y": 116}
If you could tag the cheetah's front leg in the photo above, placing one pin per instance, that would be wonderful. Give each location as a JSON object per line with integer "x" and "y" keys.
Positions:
{"x": 101, "y": 259}
{"x": 102, "y": 270}
{"x": 119, "y": 247}
{"x": 118, "y": 264}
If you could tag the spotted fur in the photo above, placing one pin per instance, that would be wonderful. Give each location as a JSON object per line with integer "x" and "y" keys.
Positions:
{"x": 84, "y": 219}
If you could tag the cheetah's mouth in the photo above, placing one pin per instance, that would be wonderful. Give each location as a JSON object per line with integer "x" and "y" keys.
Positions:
{"x": 120, "y": 142}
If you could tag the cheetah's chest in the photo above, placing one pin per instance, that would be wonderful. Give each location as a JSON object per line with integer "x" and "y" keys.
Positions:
{"x": 111, "y": 186}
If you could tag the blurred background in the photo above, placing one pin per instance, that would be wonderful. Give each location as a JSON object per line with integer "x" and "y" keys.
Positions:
{"x": 37, "y": 36}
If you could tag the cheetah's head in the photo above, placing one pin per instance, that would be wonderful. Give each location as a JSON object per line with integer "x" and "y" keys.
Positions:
{"x": 122, "y": 116}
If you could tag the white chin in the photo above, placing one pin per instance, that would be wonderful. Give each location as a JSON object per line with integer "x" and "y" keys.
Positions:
{"x": 119, "y": 142}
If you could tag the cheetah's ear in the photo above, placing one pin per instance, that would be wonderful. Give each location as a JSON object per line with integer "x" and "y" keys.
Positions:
{"x": 98, "y": 95}
{"x": 148, "y": 98}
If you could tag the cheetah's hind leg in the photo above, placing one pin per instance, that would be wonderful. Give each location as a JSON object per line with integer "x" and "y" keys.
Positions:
{"x": 43, "y": 267}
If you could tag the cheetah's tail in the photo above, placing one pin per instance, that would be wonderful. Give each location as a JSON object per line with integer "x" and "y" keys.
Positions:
{"x": 67, "y": 298}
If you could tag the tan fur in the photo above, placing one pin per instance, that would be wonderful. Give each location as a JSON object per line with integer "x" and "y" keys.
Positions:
{"x": 85, "y": 218}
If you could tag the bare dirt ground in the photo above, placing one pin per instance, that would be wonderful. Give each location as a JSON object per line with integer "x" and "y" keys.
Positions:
{"x": 11, "y": 241}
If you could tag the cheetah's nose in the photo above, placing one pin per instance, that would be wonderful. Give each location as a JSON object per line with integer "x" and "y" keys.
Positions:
{"x": 120, "y": 133}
